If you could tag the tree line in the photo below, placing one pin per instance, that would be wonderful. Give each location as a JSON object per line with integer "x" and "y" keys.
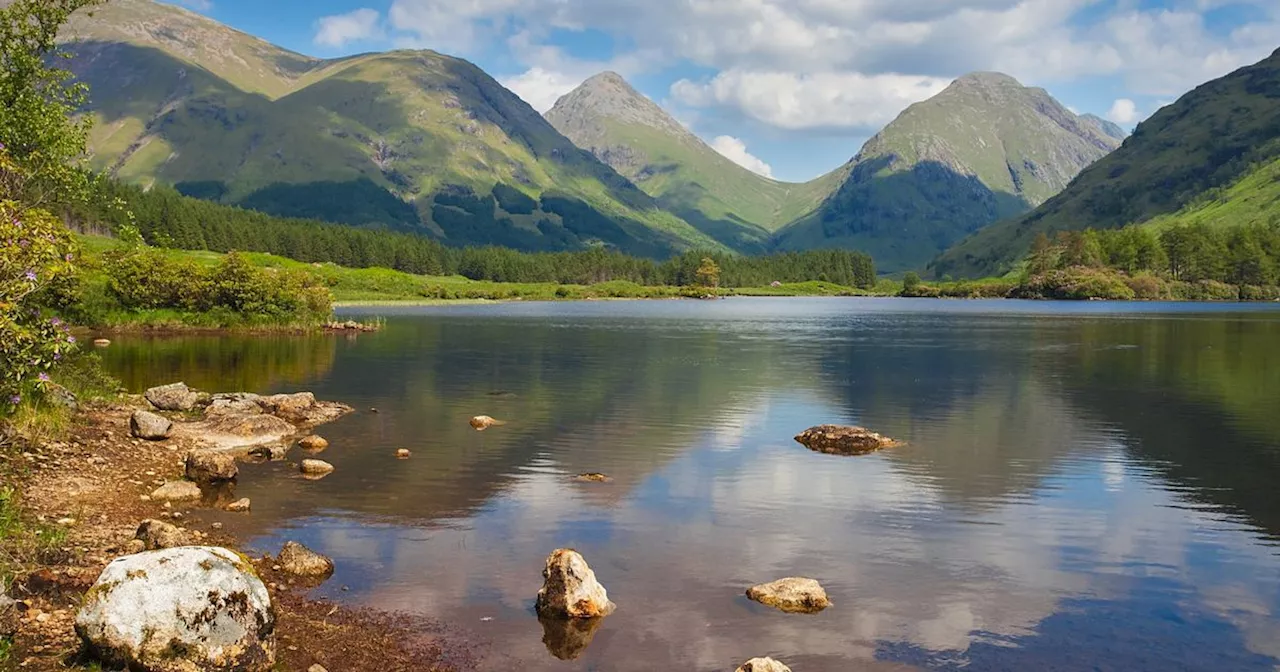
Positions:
{"x": 166, "y": 218}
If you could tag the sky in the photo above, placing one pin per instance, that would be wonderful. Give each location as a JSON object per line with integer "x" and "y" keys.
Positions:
{"x": 792, "y": 88}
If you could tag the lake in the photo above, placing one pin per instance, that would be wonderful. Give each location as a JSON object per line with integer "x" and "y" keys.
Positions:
{"x": 1085, "y": 486}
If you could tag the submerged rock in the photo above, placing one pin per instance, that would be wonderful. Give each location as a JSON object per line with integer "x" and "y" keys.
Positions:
{"x": 569, "y": 588}
{"x": 270, "y": 451}
{"x": 240, "y": 505}
{"x": 297, "y": 559}
{"x": 210, "y": 466}
{"x": 483, "y": 422}
{"x": 157, "y": 534}
{"x": 793, "y": 595}
{"x": 844, "y": 440}
{"x": 175, "y": 397}
{"x": 149, "y": 426}
{"x": 179, "y": 610}
{"x": 567, "y": 638}
{"x": 176, "y": 491}
{"x": 315, "y": 467}
{"x": 314, "y": 443}
{"x": 593, "y": 478}
{"x": 763, "y": 665}
{"x": 403, "y": 453}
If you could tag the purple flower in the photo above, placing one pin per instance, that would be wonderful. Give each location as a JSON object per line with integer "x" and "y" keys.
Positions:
{"x": 57, "y": 356}
{"x": 15, "y": 400}
{"x": 30, "y": 276}
{"x": 55, "y": 321}
{"x": 68, "y": 257}
{"x": 44, "y": 377}
{"x": 71, "y": 339}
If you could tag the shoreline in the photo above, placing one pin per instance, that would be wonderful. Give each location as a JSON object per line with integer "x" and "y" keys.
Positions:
{"x": 90, "y": 491}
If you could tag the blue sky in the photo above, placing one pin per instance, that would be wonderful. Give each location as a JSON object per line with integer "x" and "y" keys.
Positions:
{"x": 792, "y": 88}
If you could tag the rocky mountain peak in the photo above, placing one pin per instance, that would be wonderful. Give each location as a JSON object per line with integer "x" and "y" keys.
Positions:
{"x": 609, "y": 96}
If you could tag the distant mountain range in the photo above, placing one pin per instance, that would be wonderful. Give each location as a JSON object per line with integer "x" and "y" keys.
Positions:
{"x": 422, "y": 142}
{"x": 1213, "y": 156}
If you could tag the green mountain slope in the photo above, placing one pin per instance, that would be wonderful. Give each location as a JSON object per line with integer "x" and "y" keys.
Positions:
{"x": 635, "y": 136}
{"x": 1109, "y": 128}
{"x": 1252, "y": 199}
{"x": 1210, "y": 138}
{"x": 412, "y": 140}
{"x": 981, "y": 150}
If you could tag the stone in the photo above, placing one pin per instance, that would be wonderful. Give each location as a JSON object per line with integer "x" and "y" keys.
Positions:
{"x": 61, "y": 396}
{"x": 149, "y": 426}
{"x": 101, "y": 342}
{"x": 313, "y": 443}
{"x": 315, "y": 467}
{"x": 483, "y": 422}
{"x": 302, "y": 409}
{"x": 403, "y": 453}
{"x": 135, "y": 546}
{"x": 297, "y": 559}
{"x": 568, "y": 638}
{"x": 570, "y": 589}
{"x": 239, "y": 506}
{"x": 593, "y": 478}
{"x": 210, "y": 466}
{"x": 187, "y": 609}
{"x": 9, "y": 616}
{"x": 792, "y": 595}
{"x": 844, "y": 440}
{"x": 175, "y": 397}
{"x": 270, "y": 451}
{"x": 176, "y": 491}
{"x": 763, "y": 665}
{"x": 157, "y": 534}
{"x": 316, "y": 668}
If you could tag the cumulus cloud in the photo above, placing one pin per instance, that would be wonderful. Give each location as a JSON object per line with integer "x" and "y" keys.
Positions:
{"x": 1123, "y": 111}
{"x": 820, "y": 100}
{"x": 541, "y": 88}
{"x": 355, "y": 26}
{"x": 736, "y": 151}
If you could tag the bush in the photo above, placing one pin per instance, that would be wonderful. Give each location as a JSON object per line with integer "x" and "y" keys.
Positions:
{"x": 1076, "y": 283}
{"x": 1147, "y": 287}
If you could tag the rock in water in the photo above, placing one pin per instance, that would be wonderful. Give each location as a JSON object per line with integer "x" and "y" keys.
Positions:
{"x": 149, "y": 426}
{"x": 156, "y": 534}
{"x": 240, "y": 505}
{"x": 570, "y": 589}
{"x": 211, "y": 466}
{"x": 483, "y": 422}
{"x": 593, "y": 478}
{"x": 844, "y": 440}
{"x": 792, "y": 595}
{"x": 567, "y": 638}
{"x": 315, "y": 467}
{"x": 313, "y": 443}
{"x": 176, "y": 491}
{"x": 180, "y": 610}
{"x": 298, "y": 559}
{"x": 763, "y": 665}
{"x": 174, "y": 397}
{"x": 403, "y": 453}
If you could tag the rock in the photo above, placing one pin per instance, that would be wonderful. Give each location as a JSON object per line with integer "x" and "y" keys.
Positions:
{"x": 180, "y": 610}
{"x": 316, "y": 668}
{"x": 149, "y": 426}
{"x": 593, "y": 478}
{"x": 9, "y": 617}
{"x": 763, "y": 665}
{"x": 314, "y": 443}
{"x": 297, "y": 559}
{"x": 315, "y": 467}
{"x": 270, "y": 451}
{"x": 61, "y": 396}
{"x": 302, "y": 409}
{"x": 403, "y": 453}
{"x": 568, "y": 638}
{"x": 101, "y": 342}
{"x": 176, "y": 491}
{"x": 569, "y": 588}
{"x": 135, "y": 546}
{"x": 211, "y": 466}
{"x": 483, "y": 422}
{"x": 175, "y": 397}
{"x": 843, "y": 440}
{"x": 792, "y": 595}
{"x": 157, "y": 534}
{"x": 239, "y": 506}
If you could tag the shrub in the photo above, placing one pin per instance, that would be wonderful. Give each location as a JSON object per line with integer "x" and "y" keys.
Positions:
{"x": 1076, "y": 283}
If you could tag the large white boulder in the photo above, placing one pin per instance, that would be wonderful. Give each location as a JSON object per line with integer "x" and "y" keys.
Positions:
{"x": 570, "y": 588}
{"x": 190, "y": 609}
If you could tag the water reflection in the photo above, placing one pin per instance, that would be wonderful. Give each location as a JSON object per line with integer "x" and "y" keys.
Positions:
{"x": 1082, "y": 489}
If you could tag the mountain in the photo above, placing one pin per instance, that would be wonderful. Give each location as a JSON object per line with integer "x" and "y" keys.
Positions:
{"x": 1213, "y": 145}
{"x": 1110, "y": 128}
{"x": 411, "y": 140}
{"x": 983, "y": 149}
{"x": 635, "y": 136}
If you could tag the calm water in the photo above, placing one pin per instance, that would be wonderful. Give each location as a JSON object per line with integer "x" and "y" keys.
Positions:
{"x": 1086, "y": 486}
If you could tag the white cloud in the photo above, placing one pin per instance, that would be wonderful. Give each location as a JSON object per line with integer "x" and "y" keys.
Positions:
{"x": 820, "y": 100}
{"x": 1123, "y": 111}
{"x": 541, "y": 88}
{"x": 736, "y": 151}
{"x": 355, "y": 26}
